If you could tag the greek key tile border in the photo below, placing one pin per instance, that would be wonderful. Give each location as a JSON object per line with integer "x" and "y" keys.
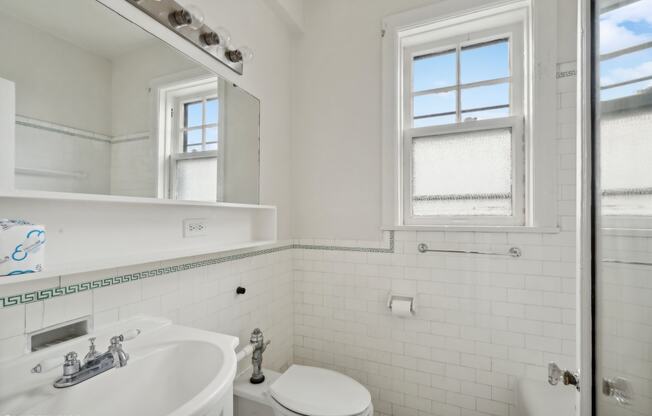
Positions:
{"x": 44, "y": 294}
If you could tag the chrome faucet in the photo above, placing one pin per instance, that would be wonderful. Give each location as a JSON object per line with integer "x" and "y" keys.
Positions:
{"x": 260, "y": 345}
{"x": 74, "y": 372}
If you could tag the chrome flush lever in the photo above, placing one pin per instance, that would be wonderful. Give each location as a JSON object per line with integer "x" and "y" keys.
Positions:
{"x": 555, "y": 374}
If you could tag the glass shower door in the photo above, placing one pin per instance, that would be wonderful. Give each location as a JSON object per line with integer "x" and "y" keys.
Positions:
{"x": 623, "y": 207}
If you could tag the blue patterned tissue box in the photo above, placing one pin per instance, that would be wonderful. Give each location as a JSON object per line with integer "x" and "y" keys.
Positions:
{"x": 22, "y": 247}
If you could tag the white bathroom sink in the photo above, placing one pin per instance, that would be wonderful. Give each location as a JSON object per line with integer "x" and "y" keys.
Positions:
{"x": 173, "y": 370}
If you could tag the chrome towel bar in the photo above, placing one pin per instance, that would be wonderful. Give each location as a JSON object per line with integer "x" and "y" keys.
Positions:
{"x": 631, "y": 263}
{"x": 512, "y": 252}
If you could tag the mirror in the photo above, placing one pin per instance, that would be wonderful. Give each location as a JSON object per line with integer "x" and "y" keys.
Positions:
{"x": 104, "y": 107}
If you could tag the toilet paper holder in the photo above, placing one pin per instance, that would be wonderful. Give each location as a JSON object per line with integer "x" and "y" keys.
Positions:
{"x": 412, "y": 299}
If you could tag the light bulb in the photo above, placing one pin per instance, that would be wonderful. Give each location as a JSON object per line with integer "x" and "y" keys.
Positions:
{"x": 247, "y": 54}
{"x": 224, "y": 36}
{"x": 197, "y": 16}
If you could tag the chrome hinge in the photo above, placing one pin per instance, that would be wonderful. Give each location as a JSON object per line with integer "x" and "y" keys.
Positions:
{"x": 618, "y": 388}
{"x": 555, "y": 374}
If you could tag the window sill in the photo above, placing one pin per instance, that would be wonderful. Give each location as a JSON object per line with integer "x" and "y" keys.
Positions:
{"x": 475, "y": 228}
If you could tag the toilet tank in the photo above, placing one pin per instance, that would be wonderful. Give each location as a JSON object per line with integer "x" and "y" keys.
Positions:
{"x": 538, "y": 398}
{"x": 253, "y": 399}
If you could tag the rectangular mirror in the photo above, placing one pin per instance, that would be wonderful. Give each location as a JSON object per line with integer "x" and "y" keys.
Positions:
{"x": 104, "y": 107}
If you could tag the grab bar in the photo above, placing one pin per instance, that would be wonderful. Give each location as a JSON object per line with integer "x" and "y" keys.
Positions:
{"x": 633, "y": 263}
{"x": 512, "y": 252}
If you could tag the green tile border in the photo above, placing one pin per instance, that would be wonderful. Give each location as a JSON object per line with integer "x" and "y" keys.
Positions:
{"x": 44, "y": 294}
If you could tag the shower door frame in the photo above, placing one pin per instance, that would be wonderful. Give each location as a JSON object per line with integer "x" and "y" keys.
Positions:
{"x": 586, "y": 224}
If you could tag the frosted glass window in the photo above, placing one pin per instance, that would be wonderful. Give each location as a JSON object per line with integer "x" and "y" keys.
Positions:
{"x": 625, "y": 154}
{"x": 463, "y": 174}
{"x": 196, "y": 179}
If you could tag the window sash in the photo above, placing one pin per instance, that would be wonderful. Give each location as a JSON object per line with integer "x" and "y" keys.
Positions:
{"x": 477, "y": 39}
{"x": 184, "y": 129}
{"x": 515, "y": 123}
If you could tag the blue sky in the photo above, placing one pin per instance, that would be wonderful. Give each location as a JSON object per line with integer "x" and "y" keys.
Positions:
{"x": 621, "y": 28}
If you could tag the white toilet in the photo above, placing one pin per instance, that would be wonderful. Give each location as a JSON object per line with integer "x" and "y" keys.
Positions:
{"x": 301, "y": 391}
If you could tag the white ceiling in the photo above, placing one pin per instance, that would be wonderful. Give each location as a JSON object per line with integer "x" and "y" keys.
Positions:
{"x": 84, "y": 23}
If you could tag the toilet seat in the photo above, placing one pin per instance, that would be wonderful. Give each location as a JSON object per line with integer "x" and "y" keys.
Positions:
{"x": 312, "y": 391}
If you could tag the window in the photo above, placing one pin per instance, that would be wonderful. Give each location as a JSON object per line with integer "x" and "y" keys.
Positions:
{"x": 199, "y": 129}
{"x": 192, "y": 155}
{"x": 625, "y": 115}
{"x": 463, "y": 136}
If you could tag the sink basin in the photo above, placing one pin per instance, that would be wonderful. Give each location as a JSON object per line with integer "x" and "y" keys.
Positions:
{"x": 173, "y": 370}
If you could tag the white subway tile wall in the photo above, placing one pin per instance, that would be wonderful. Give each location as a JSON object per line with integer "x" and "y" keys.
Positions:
{"x": 482, "y": 322}
{"x": 623, "y": 319}
{"x": 201, "y": 297}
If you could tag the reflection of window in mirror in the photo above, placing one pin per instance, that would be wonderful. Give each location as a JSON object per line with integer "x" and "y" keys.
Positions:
{"x": 193, "y": 156}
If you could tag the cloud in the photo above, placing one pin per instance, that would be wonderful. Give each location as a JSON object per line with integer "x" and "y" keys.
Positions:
{"x": 613, "y": 33}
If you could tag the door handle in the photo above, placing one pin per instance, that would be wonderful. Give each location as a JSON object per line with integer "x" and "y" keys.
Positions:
{"x": 618, "y": 388}
{"x": 556, "y": 374}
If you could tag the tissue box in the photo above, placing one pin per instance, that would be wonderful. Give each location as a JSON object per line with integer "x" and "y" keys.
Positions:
{"x": 22, "y": 247}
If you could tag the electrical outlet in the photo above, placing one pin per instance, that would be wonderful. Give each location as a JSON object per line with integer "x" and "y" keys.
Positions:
{"x": 195, "y": 227}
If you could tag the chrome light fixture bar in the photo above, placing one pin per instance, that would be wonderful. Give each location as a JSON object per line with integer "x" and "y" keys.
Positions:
{"x": 188, "y": 23}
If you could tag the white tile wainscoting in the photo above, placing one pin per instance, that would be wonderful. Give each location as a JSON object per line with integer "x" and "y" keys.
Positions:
{"x": 197, "y": 292}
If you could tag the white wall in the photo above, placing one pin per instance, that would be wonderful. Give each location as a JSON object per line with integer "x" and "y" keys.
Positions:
{"x": 55, "y": 80}
{"x": 336, "y": 152}
{"x": 268, "y": 77}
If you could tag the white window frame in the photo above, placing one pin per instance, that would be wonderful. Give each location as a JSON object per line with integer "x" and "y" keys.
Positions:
{"x": 514, "y": 122}
{"x": 539, "y": 19}
{"x": 208, "y": 91}
{"x": 167, "y": 91}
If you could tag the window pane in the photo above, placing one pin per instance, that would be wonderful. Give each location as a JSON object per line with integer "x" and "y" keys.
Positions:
{"x": 626, "y": 151}
{"x": 195, "y": 148}
{"x": 193, "y": 114}
{"x": 212, "y": 108}
{"x": 197, "y": 179}
{"x": 463, "y": 174}
{"x": 485, "y": 114}
{"x": 481, "y": 63}
{"x": 191, "y": 138}
{"x": 211, "y": 134}
{"x": 432, "y": 105}
{"x": 486, "y": 96}
{"x": 434, "y": 71}
{"x": 434, "y": 121}
{"x": 211, "y": 146}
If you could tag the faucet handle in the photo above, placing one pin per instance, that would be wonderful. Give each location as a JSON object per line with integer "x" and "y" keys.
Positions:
{"x": 129, "y": 335}
{"x": 71, "y": 364}
{"x": 48, "y": 365}
{"x": 92, "y": 352}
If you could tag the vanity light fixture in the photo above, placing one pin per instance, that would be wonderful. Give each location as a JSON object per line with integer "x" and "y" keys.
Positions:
{"x": 188, "y": 22}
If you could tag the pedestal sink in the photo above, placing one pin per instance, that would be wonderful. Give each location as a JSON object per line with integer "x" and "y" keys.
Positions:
{"x": 172, "y": 371}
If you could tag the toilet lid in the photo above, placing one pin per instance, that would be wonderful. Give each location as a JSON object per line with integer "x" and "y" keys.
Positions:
{"x": 315, "y": 391}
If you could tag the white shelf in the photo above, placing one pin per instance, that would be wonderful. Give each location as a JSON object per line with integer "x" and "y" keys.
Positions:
{"x": 64, "y": 196}
{"x": 127, "y": 261}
